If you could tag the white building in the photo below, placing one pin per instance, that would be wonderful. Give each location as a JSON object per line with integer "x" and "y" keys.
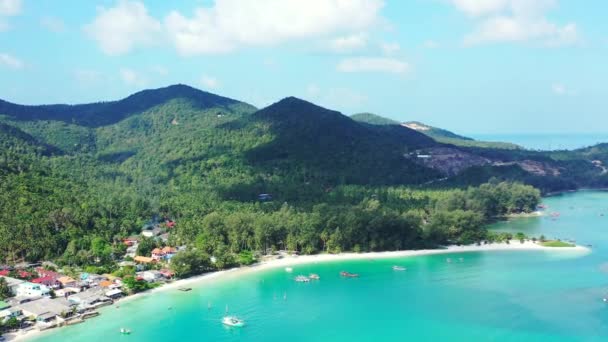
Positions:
{"x": 28, "y": 289}
{"x": 151, "y": 276}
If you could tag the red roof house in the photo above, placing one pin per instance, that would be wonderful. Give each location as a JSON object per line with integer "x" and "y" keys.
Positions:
{"x": 46, "y": 273}
{"x": 48, "y": 281}
{"x": 4, "y": 273}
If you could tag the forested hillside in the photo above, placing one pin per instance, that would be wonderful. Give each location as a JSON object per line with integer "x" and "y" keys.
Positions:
{"x": 75, "y": 180}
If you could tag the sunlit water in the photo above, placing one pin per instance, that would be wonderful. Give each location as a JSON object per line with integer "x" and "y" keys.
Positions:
{"x": 488, "y": 296}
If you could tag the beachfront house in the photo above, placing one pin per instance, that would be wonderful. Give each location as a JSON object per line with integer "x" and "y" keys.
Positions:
{"x": 47, "y": 309}
{"x": 9, "y": 313}
{"x": 168, "y": 274}
{"x": 151, "y": 276}
{"x": 90, "y": 299}
{"x": 114, "y": 294}
{"x": 29, "y": 290}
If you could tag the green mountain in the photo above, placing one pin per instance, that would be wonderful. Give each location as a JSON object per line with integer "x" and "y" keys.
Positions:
{"x": 373, "y": 119}
{"x": 434, "y": 132}
{"x": 438, "y": 134}
{"x": 72, "y": 176}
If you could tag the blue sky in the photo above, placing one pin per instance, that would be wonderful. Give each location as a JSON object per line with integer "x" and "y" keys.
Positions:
{"x": 472, "y": 66}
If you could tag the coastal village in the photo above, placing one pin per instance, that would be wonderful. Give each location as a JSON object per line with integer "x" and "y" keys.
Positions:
{"x": 42, "y": 295}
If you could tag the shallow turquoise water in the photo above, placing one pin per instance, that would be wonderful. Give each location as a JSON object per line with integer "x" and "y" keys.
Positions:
{"x": 489, "y": 296}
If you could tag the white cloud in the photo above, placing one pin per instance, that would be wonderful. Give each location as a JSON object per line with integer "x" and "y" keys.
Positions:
{"x": 516, "y": 29}
{"x": 480, "y": 7}
{"x": 10, "y": 62}
{"x": 232, "y": 24}
{"x": 132, "y": 78}
{"x": 430, "y": 44}
{"x": 10, "y": 7}
{"x": 390, "y": 48}
{"x": 558, "y": 88}
{"x": 516, "y": 21}
{"x": 209, "y": 82}
{"x": 127, "y": 25}
{"x": 373, "y": 64}
{"x": 348, "y": 43}
{"x": 53, "y": 24}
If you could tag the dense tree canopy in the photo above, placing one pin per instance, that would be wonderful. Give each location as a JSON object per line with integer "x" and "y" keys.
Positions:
{"x": 71, "y": 190}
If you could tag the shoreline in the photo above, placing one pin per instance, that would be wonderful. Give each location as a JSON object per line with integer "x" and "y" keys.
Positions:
{"x": 291, "y": 261}
{"x": 561, "y": 192}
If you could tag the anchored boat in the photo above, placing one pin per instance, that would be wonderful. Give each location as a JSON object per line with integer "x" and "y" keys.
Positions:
{"x": 233, "y": 321}
{"x": 349, "y": 275}
{"x": 399, "y": 268}
{"x": 302, "y": 279}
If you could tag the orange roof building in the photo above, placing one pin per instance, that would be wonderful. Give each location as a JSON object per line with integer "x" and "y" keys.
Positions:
{"x": 143, "y": 259}
{"x": 105, "y": 283}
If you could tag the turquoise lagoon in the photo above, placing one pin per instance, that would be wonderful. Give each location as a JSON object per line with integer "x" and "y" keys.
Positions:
{"x": 488, "y": 296}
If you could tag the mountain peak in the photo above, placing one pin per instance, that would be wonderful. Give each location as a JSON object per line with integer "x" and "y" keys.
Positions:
{"x": 105, "y": 113}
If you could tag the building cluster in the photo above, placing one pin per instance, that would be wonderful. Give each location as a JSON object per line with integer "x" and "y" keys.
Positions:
{"x": 43, "y": 298}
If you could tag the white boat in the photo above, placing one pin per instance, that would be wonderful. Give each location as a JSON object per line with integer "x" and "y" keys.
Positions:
{"x": 288, "y": 269}
{"x": 125, "y": 331}
{"x": 233, "y": 321}
{"x": 399, "y": 268}
{"x": 302, "y": 279}
{"x": 314, "y": 276}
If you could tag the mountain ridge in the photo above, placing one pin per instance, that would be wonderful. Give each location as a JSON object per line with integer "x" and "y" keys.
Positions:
{"x": 96, "y": 114}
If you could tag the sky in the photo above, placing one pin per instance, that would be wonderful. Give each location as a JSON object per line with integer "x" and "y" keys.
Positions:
{"x": 471, "y": 66}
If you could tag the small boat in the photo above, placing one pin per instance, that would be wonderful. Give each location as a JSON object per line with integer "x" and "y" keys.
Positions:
{"x": 288, "y": 269}
{"x": 233, "y": 321}
{"x": 185, "y": 289}
{"x": 302, "y": 279}
{"x": 125, "y": 331}
{"x": 448, "y": 260}
{"x": 314, "y": 276}
{"x": 349, "y": 275}
{"x": 399, "y": 268}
